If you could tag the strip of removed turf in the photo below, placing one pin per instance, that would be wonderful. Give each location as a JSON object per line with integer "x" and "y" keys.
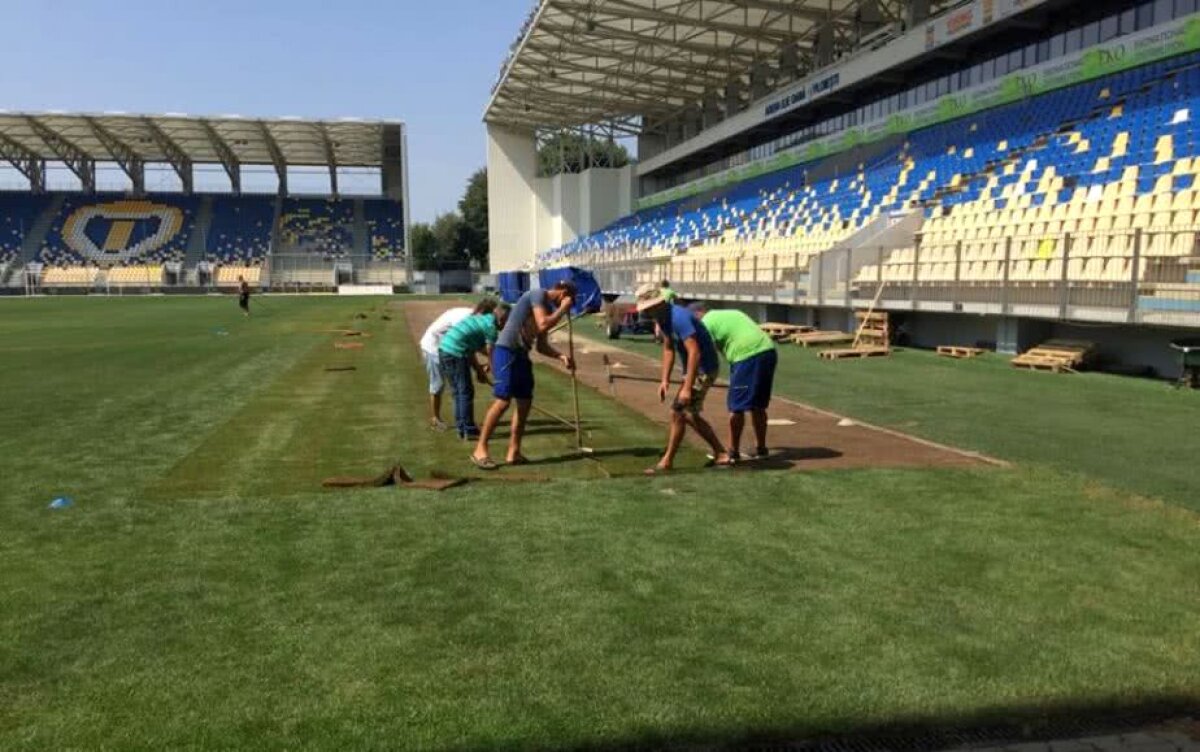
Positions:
{"x": 309, "y": 423}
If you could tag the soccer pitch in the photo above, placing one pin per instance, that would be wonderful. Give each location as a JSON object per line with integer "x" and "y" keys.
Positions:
{"x": 205, "y": 592}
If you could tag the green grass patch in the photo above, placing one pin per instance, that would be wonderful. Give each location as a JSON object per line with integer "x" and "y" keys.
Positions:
{"x": 1135, "y": 434}
{"x": 203, "y": 594}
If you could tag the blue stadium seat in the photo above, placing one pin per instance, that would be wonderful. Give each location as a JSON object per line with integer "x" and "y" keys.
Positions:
{"x": 240, "y": 230}
{"x": 18, "y": 212}
{"x": 385, "y": 227}
{"x": 116, "y": 230}
{"x": 319, "y": 226}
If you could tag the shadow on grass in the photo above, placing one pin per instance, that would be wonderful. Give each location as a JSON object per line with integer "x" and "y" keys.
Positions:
{"x": 986, "y": 727}
{"x": 784, "y": 458}
{"x": 599, "y": 454}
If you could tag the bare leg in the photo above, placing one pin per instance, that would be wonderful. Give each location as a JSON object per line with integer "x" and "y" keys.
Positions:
{"x": 490, "y": 421}
{"x": 705, "y": 429}
{"x": 759, "y": 418}
{"x": 518, "y": 428}
{"x": 435, "y": 408}
{"x": 737, "y": 422}
{"x": 675, "y": 434}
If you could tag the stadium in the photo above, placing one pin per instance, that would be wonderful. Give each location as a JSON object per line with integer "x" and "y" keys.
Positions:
{"x": 798, "y": 375}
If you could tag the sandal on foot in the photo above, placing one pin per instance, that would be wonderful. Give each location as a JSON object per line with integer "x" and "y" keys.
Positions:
{"x": 650, "y": 472}
{"x": 520, "y": 459}
{"x": 486, "y": 463}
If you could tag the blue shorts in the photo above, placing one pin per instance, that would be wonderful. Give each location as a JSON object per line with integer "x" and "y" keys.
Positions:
{"x": 433, "y": 370}
{"x": 513, "y": 372}
{"x": 750, "y": 382}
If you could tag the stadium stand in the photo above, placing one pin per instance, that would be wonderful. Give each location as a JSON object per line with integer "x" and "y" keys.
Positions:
{"x": 1003, "y": 193}
{"x": 385, "y": 228}
{"x": 187, "y": 241}
{"x": 318, "y": 226}
{"x": 103, "y": 231}
{"x": 239, "y": 233}
{"x": 18, "y": 212}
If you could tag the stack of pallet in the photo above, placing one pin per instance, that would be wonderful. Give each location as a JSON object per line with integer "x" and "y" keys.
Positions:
{"x": 782, "y": 332}
{"x": 872, "y": 340}
{"x": 1056, "y": 355}
{"x": 819, "y": 337}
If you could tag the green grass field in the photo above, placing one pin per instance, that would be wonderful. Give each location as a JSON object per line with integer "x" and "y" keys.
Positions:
{"x": 205, "y": 593}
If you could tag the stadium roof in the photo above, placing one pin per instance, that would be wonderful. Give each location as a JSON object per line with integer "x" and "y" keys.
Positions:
{"x": 582, "y": 62}
{"x": 173, "y": 138}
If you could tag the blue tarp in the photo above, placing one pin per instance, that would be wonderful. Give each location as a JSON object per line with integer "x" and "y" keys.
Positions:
{"x": 513, "y": 285}
{"x": 588, "y": 301}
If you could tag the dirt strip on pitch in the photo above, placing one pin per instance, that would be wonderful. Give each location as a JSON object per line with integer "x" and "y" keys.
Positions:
{"x": 801, "y": 437}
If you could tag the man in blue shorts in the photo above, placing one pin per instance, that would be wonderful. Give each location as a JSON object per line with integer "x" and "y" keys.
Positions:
{"x": 529, "y": 322}
{"x": 752, "y": 359}
{"x": 683, "y": 333}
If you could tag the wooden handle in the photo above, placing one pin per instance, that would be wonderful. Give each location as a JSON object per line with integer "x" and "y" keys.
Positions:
{"x": 574, "y": 381}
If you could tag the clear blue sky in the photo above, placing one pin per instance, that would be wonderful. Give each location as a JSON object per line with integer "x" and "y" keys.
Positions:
{"x": 430, "y": 63}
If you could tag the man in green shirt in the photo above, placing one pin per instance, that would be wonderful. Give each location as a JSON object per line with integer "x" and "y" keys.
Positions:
{"x": 752, "y": 360}
{"x": 668, "y": 294}
{"x": 456, "y": 354}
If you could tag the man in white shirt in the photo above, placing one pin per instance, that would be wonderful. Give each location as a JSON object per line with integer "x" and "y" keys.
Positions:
{"x": 431, "y": 341}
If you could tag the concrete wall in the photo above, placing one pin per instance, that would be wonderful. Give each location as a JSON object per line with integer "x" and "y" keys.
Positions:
{"x": 1118, "y": 347}
{"x": 528, "y": 214}
{"x": 512, "y": 204}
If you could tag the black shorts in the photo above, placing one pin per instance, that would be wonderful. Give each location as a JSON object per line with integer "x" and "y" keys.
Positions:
{"x": 244, "y": 301}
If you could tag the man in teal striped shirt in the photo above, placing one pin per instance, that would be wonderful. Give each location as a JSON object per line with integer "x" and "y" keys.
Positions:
{"x": 457, "y": 356}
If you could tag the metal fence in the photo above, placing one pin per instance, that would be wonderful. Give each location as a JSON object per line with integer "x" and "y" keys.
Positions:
{"x": 1143, "y": 276}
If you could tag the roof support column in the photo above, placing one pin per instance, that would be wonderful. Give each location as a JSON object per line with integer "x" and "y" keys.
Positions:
{"x": 25, "y": 161}
{"x": 276, "y": 157}
{"x": 330, "y": 159}
{"x": 229, "y": 160}
{"x": 129, "y": 160}
{"x": 76, "y": 160}
{"x": 175, "y": 155}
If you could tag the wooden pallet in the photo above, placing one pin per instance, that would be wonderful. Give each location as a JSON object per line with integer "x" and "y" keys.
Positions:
{"x": 783, "y": 331}
{"x": 810, "y": 339}
{"x": 1056, "y": 355}
{"x": 954, "y": 351}
{"x": 873, "y": 327}
{"x": 1036, "y": 363}
{"x": 855, "y": 352}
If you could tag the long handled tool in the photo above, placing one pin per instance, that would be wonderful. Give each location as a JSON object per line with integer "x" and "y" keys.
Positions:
{"x": 543, "y": 411}
{"x": 575, "y": 386}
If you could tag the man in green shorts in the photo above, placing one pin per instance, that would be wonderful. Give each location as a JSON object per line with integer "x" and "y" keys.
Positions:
{"x": 752, "y": 360}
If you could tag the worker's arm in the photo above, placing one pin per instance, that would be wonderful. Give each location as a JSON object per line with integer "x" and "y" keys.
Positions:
{"x": 668, "y": 362}
{"x": 693, "y": 367}
{"x": 545, "y": 348}
{"x": 482, "y": 367}
{"x": 547, "y": 321}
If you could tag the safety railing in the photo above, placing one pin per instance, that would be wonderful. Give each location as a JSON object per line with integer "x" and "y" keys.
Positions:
{"x": 1148, "y": 275}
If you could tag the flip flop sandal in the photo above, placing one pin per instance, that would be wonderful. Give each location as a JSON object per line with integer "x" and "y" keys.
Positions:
{"x": 712, "y": 463}
{"x": 520, "y": 459}
{"x": 487, "y": 463}
{"x": 651, "y": 472}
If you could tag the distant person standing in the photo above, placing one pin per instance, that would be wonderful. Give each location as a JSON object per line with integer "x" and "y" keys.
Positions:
{"x": 752, "y": 360}
{"x": 244, "y": 296}
{"x": 430, "y": 342}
